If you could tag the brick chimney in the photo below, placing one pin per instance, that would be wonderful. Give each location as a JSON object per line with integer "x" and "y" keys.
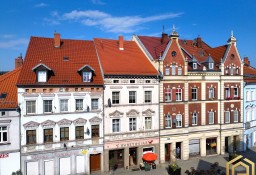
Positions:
{"x": 246, "y": 61}
{"x": 199, "y": 42}
{"x": 56, "y": 40}
{"x": 121, "y": 42}
{"x": 164, "y": 38}
{"x": 18, "y": 62}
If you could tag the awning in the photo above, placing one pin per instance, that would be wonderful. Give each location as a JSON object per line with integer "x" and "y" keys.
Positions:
{"x": 149, "y": 157}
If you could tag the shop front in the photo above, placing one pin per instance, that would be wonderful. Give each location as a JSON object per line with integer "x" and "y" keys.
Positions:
{"x": 211, "y": 146}
{"x": 128, "y": 153}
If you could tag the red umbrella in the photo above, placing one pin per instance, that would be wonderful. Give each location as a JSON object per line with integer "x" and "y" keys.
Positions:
{"x": 149, "y": 157}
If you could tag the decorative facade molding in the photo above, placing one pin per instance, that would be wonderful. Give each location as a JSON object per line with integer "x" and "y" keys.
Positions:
{"x": 116, "y": 113}
{"x": 95, "y": 120}
{"x": 64, "y": 122}
{"x": 148, "y": 112}
{"x": 48, "y": 124}
{"x": 132, "y": 113}
{"x": 80, "y": 121}
{"x": 31, "y": 124}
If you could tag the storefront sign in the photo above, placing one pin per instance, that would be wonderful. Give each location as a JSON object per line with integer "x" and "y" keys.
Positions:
{"x": 133, "y": 135}
{"x": 132, "y": 143}
{"x": 58, "y": 154}
{"x": 4, "y": 155}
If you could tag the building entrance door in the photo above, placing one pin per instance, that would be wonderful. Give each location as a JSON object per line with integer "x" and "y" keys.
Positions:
{"x": 95, "y": 162}
{"x": 132, "y": 156}
{"x": 167, "y": 151}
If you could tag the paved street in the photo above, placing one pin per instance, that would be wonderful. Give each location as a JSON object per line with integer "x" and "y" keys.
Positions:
{"x": 196, "y": 162}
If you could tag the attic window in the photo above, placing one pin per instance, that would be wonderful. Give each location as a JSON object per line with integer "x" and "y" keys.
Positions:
{"x": 132, "y": 81}
{"x": 115, "y": 81}
{"x": 174, "y": 54}
{"x": 41, "y": 76}
{"x": 194, "y": 66}
{"x": 65, "y": 58}
{"x": 87, "y": 76}
{"x": 3, "y": 95}
{"x": 210, "y": 65}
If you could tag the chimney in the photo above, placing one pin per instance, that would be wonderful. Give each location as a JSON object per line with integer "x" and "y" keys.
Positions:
{"x": 121, "y": 42}
{"x": 56, "y": 40}
{"x": 18, "y": 62}
{"x": 199, "y": 42}
{"x": 246, "y": 61}
{"x": 164, "y": 38}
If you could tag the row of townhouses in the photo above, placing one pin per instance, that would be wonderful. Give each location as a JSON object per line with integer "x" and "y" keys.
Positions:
{"x": 78, "y": 106}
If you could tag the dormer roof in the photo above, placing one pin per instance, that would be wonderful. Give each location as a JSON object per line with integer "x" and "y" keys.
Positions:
{"x": 39, "y": 65}
{"x": 86, "y": 67}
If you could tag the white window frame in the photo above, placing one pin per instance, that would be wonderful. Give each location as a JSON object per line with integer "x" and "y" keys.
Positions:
{"x": 179, "y": 70}
{"x": 211, "y": 117}
{"x": 94, "y": 104}
{"x": 79, "y": 104}
{"x": 227, "y": 116}
{"x": 235, "y": 112}
{"x": 167, "y": 70}
{"x": 87, "y": 76}
{"x": 168, "y": 121}
{"x": 231, "y": 70}
{"x": 30, "y": 106}
{"x": 211, "y": 92}
{"x": 148, "y": 122}
{"x": 132, "y": 124}
{"x": 116, "y": 125}
{"x": 64, "y": 105}
{"x": 168, "y": 94}
{"x": 248, "y": 113}
{"x": 173, "y": 69}
{"x": 237, "y": 71}
{"x": 2, "y": 131}
{"x": 44, "y": 109}
{"x": 148, "y": 96}
{"x": 116, "y": 97}
{"x": 132, "y": 97}
{"x": 194, "y": 65}
{"x": 41, "y": 76}
{"x": 194, "y": 93}
{"x": 248, "y": 97}
{"x": 227, "y": 92}
{"x": 235, "y": 91}
{"x": 194, "y": 118}
{"x": 178, "y": 94}
{"x": 211, "y": 65}
{"x": 252, "y": 95}
{"x": 178, "y": 120}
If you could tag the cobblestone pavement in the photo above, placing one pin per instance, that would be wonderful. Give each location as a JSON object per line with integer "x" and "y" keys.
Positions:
{"x": 196, "y": 162}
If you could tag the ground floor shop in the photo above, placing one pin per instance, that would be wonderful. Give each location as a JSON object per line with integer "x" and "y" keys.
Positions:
{"x": 128, "y": 153}
{"x": 249, "y": 138}
{"x": 9, "y": 162}
{"x": 63, "y": 162}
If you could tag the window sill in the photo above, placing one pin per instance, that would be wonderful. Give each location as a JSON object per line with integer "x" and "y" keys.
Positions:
{"x": 5, "y": 143}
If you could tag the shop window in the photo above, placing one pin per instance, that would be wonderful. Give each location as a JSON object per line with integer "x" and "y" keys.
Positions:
{"x": 31, "y": 136}
{"x": 79, "y": 132}
{"x": 211, "y": 146}
{"x": 64, "y": 133}
{"x": 48, "y": 135}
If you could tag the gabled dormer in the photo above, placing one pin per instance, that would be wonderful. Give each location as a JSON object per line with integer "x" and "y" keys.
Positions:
{"x": 209, "y": 63}
{"x": 87, "y": 73}
{"x": 194, "y": 62}
{"x": 43, "y": 73}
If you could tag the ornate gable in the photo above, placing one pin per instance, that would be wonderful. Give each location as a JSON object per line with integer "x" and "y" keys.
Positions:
{"x": 31, "y": 124}
{"x": 133, "y": 113}
{"x": 95, "y": 120}
{"x": 116, "y": 113}
{"x": 48, "y": 123}
{"x": 64, "y": 122}
{"x": 80, "y": 121}
{"x": 148, "y": 112}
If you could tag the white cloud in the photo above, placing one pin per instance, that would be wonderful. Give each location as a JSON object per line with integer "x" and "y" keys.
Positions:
{"x": 51, "y": 22}
{"x": 8, "y": 36}
{"x": 98, "y": 2}
{"x": 13, "y": 44}
{"x": 115, "y": 24}
{"x": 41, "y": 5}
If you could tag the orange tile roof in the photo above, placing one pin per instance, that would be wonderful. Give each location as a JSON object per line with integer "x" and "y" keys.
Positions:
{"x": 130, "y": 61}
{"x": 249, "y": 74}
{"x": 8, "y": 85}
{"x": 42, "y": 50}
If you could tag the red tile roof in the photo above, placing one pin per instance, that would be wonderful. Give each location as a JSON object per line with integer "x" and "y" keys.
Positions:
{"x": 249, "y": 74}
{"x": 130, "y": 61}
{"x": 8, "y": 85}
{"x": 42, "y": 51}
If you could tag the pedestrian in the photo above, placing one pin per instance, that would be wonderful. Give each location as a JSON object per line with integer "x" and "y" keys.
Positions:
{"x": 178, "y": 152}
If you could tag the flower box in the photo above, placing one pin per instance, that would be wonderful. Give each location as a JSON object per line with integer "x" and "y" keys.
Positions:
{"x": 174, "y": 169}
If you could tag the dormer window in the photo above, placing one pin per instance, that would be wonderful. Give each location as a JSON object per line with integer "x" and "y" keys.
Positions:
{"x": 41, "y": 76}
{"x": 87, "y": 76}
{"x": 87, "y": 73}
{"x": 210, "y": 65}
{"x": 194, "y": 65}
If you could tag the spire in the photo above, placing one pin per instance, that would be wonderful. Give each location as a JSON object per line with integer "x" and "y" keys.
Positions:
{"x": 232, "y": 39}
{"x": 174, "y": 34}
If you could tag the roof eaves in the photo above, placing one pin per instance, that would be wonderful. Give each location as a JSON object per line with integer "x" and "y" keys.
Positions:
{"x": 143, "y": 47}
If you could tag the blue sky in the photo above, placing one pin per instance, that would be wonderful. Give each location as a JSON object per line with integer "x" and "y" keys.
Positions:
{"x": 213, "y": 20}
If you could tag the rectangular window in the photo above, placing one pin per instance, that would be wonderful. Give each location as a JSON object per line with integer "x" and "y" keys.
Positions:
{"x": 194, "y": 118}
{"x": 115, "y": 97}
{"x": 116, "y": 125}
{"x": 79, "y": 132}
{"x": 148, "y": 122}
{"x": 64, "y": 105}
{"x": 95, "y": 131}
{"x": 210, "y": 65}
{"x": 237, "y": 71}
{"x": 132, "y": 124}
{"x": 252, "y": 95}
{"x": 87, "y": 76}
{"x": 227, "y": 92}
{"x": 211, "y": 92}
{"x": 194, "y": 93}
{"x": 41, "y": 76}
{"x": 227, "y": 117}
{"x": 148, "y": 96}
{"x": 64, "y": 133}
{"x": 79, "y": 104}
{"x": 132, "y": 81}
{"x": 47, "y": 106}
{"x": 179, "y": 70}
{"x": 3, "y": 134}
{"x": 132, "y": 96}
{"x": 235, "y": 92}
{"x": 248, "y": 116}
{"x": 178, "y": 94}
{"x": 194, "y": 65}
{"x": 115, "y": 81}
{"x": 167, "y": 71}
{"x": 168, "y": 94}
{"x": 48, "y": 135}
{"x": 31, "y": 107}
{"x": 211, "y": 117}
{"x": 95, "y": 104}
{"x": 248, "y": 97}
{"x": 235, "y": 116}
{"x": 173, "y": 69}
{"x": 231, "y": 70}
{"x": 168, "y": 121}
{"x": 31, "y": 136}
{"x": 178, "y": 120}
